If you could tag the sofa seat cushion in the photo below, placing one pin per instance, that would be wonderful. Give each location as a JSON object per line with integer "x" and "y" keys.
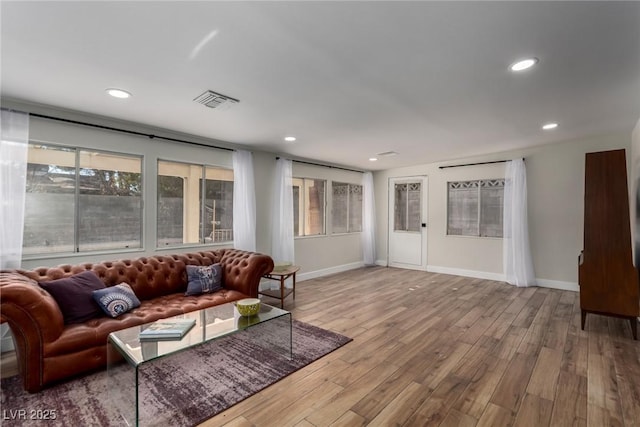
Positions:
{"x": 95, "y": 332}
{"x": 193, "y": 303}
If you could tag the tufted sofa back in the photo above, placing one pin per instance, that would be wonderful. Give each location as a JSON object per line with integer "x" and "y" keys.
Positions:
{"x": 149, "y": 277}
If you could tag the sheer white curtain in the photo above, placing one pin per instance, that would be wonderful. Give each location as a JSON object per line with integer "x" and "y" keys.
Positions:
{"x": 244, "y": 201}
{"x": 368, "y": 220}
{"x": 282, "y": 248}
{"x": 14, "y": 143}
{"x": 518, "y": 262}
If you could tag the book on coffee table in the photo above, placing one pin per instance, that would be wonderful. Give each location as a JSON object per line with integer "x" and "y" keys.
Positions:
{"x": 167, "y": 330}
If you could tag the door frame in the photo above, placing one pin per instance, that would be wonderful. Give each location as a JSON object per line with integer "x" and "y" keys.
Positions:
{"x": 423, "y": 220}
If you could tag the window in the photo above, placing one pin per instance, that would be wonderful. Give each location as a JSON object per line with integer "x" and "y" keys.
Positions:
{"x": 475, "y": 208}
{"x": 407, "y": 209}
{"x": 347, "y": 207}
{"x": 79, "y": 200}
{"x": 184, "y": 215}
{"x": 308, "y": 206}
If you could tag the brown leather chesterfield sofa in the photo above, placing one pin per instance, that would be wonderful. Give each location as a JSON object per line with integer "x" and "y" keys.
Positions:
{"x": 49, "y": 351}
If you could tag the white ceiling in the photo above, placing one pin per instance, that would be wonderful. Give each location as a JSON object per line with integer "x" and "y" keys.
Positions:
{"x": 428, "y": 80}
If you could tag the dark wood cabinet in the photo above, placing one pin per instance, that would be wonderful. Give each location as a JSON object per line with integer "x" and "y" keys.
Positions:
{"x": 608, "y": 280}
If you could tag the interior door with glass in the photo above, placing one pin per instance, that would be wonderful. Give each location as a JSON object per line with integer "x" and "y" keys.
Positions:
{"x": 407, "y": 222}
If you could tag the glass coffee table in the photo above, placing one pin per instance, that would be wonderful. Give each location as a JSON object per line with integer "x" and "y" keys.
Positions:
{"x": 270, "y": 329}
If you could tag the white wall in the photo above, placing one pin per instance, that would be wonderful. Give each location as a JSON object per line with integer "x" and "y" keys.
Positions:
{"x": 332, "y": 252}
{"x": 317, "y": 255}
{"x": 555, "y": 178}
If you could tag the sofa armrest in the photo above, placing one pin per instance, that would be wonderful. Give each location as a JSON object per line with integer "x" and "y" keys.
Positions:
{"x": 34, "y": 318}
{"x": 27, "y": 306}
{"x": 243, "y": 270}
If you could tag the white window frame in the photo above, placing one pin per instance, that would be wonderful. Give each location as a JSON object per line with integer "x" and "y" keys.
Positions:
{"x": 348, "y": 210}
{"x": 302, "y": 208}
{"x": 498, "y": 182}
{"x": 202, "y": 239}
{"x": 27, "y": 255}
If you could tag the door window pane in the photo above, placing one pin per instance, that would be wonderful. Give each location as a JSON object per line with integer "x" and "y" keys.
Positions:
{"x": 400, "y": 207}
{"x": 414, "y": 211}
{"x": 408, "y": 207}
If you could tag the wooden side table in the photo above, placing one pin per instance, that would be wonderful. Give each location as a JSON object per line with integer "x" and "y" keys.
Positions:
{"x": 281, "y": 275}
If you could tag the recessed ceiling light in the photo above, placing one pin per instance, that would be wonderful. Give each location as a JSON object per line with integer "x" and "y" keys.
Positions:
{"x": 373, "y": 159}
{"x": 523, "y": 64}
{"x": 118, "y": 93}
{"x": 289, "y": 138}
{"x": 549, "y": 126}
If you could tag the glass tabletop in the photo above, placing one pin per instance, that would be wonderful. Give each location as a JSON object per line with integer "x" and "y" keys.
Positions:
{"x": 210, "y": 323}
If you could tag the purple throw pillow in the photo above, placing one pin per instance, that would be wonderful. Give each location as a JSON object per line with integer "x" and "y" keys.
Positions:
{"x": 74, "y": 296}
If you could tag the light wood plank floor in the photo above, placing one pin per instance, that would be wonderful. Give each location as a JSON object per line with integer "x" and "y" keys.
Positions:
{"x": 440, "y": 350}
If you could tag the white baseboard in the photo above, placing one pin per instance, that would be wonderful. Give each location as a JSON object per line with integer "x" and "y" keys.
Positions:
{"x": 466, "y": 273}
{"x": 327, "y": 271}
{"x": 543, "y": 283}
{"x": 557, "y": 284}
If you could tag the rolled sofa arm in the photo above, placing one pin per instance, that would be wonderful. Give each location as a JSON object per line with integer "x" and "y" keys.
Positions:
{"x": 34, "y": 318}
{"x": 25, "y": 305}
{"x": 243, "y": 270}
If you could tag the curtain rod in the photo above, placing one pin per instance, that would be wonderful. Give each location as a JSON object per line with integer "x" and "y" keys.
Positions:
{"x": 131, "y": 132}
{"x": 475, "y": 164}
{"x": 325, "y": 166}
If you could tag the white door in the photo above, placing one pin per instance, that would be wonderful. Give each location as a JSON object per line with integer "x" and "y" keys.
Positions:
{"x": 408, "y": 222}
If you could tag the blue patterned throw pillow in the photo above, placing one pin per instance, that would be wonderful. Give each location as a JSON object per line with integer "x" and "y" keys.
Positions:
{"x": 116, "y": 300}
{"x": 204, "y": 279}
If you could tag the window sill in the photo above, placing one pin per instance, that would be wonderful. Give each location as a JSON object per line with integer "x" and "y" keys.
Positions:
{"x": 195, "y": 246}
{"x": 54, "y": 255}
{"x": 473, "y": 237}
{"x": 315, "y": 236}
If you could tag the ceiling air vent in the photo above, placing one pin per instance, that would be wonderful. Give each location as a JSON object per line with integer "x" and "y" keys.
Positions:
{"x": 215, "y": 100}
{"x": 387, "y": 154}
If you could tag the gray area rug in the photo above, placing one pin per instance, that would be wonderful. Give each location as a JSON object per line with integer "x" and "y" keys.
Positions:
{"x": 180, "y": 390}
